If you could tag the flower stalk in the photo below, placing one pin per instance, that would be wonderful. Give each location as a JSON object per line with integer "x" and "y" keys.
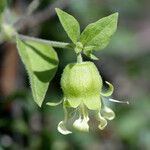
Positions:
{"x": 79, "y": 58}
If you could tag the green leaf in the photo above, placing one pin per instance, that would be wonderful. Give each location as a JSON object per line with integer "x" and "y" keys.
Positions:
{"x": 90, "y": 55}
{"x": 70, "y": 25}
{"x": 41, "y": 62}
{"x": 3, "y": 4}
{"x": 98, "y": 34}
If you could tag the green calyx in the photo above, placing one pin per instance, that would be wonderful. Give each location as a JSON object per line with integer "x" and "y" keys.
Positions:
{"x": 78, "y": 47}
{"x": 82, "y": 83}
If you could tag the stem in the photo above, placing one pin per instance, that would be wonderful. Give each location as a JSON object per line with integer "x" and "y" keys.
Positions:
{"x": 65, "y": 112}
{"x": 79, "y": 58}
{"x": 83, "y": 111}
{"x": 51, "y": 43}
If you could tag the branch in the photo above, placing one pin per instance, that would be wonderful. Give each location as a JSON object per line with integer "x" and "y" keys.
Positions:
{"x": 51, "y": 43}
{"x": 39, "y": 17}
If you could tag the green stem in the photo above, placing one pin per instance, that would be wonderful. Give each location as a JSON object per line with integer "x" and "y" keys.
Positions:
{"x": 51, "y": 43}
{"x": 65, "y": 111}
{"x": 83, "y": 111}
{"x": 79, "y": 58}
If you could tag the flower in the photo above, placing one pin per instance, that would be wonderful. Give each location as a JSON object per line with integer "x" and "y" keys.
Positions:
{"x": 82, "y": 124}
{"x": 82, "y": 88}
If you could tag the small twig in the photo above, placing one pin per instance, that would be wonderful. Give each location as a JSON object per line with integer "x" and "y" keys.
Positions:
{"x": 51, "y": 43}
{"x": 39, "y": 17}
{"x": 33, "y": 6}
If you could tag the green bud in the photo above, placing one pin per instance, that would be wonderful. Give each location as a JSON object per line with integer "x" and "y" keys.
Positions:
{"x": 81, "y": 84}
{"x": 8, "y": 31}
{"x": 79, "y": 47}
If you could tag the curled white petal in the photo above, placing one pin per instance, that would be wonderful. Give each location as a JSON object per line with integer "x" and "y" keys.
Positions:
{"x": 109, "y": 90}
{"x": 108, "y": 113}
{"x": 103, "y": 122}
{"x": 82, "y": 124}
{"x": 62, "y": 129}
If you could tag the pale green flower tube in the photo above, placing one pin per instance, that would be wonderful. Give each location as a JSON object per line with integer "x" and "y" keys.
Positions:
{"x": 82, "y": 83}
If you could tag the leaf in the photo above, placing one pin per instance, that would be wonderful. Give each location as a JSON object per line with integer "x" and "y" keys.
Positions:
{"x": 41, "y": 62}
{"x": 98, "y": 34}
{"x": 90, "y": 55}
{"x": 3, "y": 5}
{"x": 70, "y": 25}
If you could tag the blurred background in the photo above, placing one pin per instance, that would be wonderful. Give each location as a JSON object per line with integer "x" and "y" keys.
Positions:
{"x": 125, "y": 63}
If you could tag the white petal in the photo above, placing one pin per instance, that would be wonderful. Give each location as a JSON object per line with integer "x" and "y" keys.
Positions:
{"x": 109, "y": 90}
{"x": 103, "y": 122}
{"x": 108, "y": 113}
{"x": 116, "y": 101}
{"x": 82, "y": 124}
{"x": 62, "y": 129}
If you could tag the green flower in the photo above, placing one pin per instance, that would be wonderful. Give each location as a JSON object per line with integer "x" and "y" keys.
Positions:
{"x": 82, "y": 87}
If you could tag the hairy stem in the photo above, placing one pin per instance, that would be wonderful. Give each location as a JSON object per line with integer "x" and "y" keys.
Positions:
{"x": 83, "y": 112}
{"x": 79, "y": 58}
{"x": 51, "y": 43}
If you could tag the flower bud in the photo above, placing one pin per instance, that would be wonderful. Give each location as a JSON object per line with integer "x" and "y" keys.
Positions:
{"x": 82, "y": 83}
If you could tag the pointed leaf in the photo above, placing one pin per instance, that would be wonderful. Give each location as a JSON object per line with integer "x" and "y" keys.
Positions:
{"x": 41, "y": 62}
{"x": 98, "y": 34}
{"x": 70, "y": 25}
{"x": 90, "y": 55}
